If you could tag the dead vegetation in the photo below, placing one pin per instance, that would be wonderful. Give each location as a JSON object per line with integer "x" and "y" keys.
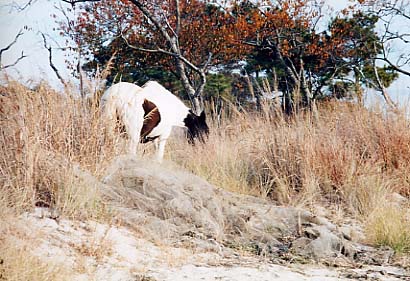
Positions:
{"x": 349, "y": 160}
{"x": 340, "y": 157}
{"x": 43, "y": 134}
{"x": 21, "y": 265}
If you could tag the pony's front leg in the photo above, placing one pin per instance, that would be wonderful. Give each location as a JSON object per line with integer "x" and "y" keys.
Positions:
{"x": 161, "y": 149}
{"x": 133, "y": 145}
{"x": 156, "y": 144}
{"x": 133, "y": 127}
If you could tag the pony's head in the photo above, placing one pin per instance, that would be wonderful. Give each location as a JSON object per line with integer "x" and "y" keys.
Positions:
{"x": 197, "y": 127}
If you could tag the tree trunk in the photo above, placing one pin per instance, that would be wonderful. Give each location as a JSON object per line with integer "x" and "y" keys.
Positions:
{"x": 383, "y": 90}
{"x": 275, "y": 83}
{"x": 287, "y": 100}
{"x": 250, "y": 87}
{"x": 181, "y": 62}
{"x": 194, "y": 98}
{"x": 304, "y": 87}
{"x": 357, "y": 88}
{"x": 197, "y": 105}
{"x": 292, "y": 80}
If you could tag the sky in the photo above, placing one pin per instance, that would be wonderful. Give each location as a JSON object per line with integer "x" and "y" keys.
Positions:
{"x": 37, "y": 18}
{"x": 35, "y": 67}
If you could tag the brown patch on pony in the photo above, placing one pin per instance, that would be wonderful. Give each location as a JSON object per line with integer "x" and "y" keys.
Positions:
{"x": 151, "y": 120}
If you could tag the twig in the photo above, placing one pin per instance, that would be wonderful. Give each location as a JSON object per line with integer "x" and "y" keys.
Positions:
{"x": 22, "y": 56}
{"x": 73, "y": 2}
{"x": 50, "y": 60}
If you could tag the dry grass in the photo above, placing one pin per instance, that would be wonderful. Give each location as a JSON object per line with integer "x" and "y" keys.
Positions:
{"x": 17, "y": 264}
{"x": 390, "y": 225}
{"x": 43, "y": 134}
{"x": 340, "y": 156}
{"x": 336, "y": 149}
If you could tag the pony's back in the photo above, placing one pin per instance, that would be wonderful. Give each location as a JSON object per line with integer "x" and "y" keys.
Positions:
{"x": 122, "y": 92}
{"x": 170, "y": 107}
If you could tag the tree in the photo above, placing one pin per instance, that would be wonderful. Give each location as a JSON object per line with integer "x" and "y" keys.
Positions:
{"x": 312, "y": 63}
{"x": 284, "y": 34}
{"x": 359, "y": 46}
{"x": 182, "y": 37}
{"x": 395, "y": 18}
{"x": 280, "y": 39}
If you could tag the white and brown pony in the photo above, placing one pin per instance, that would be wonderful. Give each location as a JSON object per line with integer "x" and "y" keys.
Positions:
{"x": 148, "y": 113}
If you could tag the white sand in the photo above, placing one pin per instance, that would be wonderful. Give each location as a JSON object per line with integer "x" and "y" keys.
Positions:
{"x": 94, "y": 251}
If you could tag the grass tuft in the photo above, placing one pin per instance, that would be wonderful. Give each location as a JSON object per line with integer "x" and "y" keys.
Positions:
{"x": 389, "y": 225}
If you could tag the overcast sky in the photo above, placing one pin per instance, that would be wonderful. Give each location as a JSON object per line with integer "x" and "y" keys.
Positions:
{"x": 38, "y": 18}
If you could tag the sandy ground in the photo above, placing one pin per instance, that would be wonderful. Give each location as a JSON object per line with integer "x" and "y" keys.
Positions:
{"x": 260, "y": 272}
{"x": 94, "y": 251}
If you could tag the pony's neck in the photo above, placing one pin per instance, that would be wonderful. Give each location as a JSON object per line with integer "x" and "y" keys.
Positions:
{"x": 181, "y": 120}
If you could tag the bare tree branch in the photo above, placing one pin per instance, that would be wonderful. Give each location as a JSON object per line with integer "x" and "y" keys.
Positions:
{"x": 381, "y": 86}
{"x": 174, "y": 33}
{"x": 392, "y": 8}
{"x": 12, "y": 43}
{"x": 73, "y": 2}
{"x": 395, "y": 67}
{"x": 22, "y": 56}
{"x": 178, "y": 14}
{"x": 389, "y": 13}
{"x": 153, "y": 19}
{"x": 50, "y": 60}
{"x": 382, "y": 89}
{"x": 21, "y": 7}
{"x": 176, "y": 55}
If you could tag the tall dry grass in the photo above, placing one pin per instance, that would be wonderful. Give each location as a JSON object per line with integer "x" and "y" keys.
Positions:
{"x": 44, "y": 133}
{"x": 333, "y": 149}
{"x": 339, "y": 156}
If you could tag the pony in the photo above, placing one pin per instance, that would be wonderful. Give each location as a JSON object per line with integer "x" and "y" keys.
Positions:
{"x": 148, "y": 113}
